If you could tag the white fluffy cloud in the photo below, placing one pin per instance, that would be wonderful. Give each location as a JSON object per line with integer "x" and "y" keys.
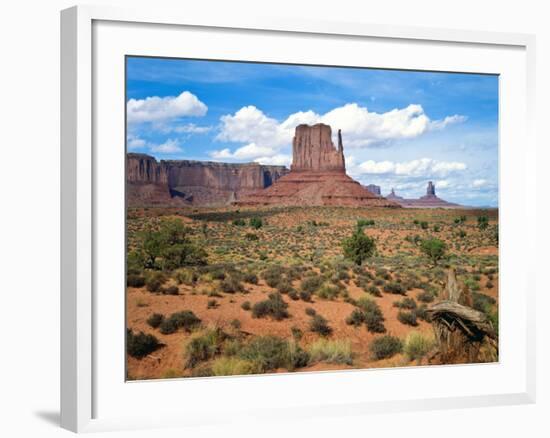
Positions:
{"x": 158, "y": 109}
{"x": 170, "y": 146}
{"x": 424, "y": 167}
{"x": 277, "y": 160}
{"x": 479, "y": 182}
{"x": 135, "y": 142}
{"x": 360, "y": 127}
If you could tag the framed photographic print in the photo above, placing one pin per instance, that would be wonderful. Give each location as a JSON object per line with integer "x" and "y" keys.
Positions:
{"x": 327, "y": 226}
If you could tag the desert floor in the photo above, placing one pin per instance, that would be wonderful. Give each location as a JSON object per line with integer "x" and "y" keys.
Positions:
{"x": 307, "y": 242}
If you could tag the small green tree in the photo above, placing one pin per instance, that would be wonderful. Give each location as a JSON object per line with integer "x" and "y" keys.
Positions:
{"x": 256, "y": 222}
{"x": 435, "y": 249}
{"x": 358, "y": 247}
{"x": 482, "y": 222}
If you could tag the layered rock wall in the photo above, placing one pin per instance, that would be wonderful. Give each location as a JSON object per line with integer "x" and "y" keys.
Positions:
{"x": 313, "y": 150}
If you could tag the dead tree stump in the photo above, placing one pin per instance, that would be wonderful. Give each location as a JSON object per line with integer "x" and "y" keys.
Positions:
{"x": 460, "y": 330}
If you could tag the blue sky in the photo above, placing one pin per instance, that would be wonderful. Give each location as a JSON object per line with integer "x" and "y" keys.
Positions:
{"x": 399, "y": 128}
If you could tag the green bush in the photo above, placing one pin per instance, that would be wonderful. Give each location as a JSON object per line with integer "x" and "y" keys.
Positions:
{"x": 328, "y": 292}
{"x": 417, "y": 345}
{"x": 384, "y": 347}
{"x": 251, "y": 237}
{"x": 266, "y": 353}
{"x": 435, "y": 249}
{"x": 246, "y": 305}
{"x": 482, "y": 222}
{"x": 141, "y": 344}
{"x": 319, "y": 325}
{"x": 425, "y": 296}
{"x": 274, "y": 307}
{"x": 239, "y": 222}
{"x": 372, "y": 315}
{"x": 134, "y": 280}
{"x": 305, "y": 296}
{"x": 311, "y": 284}
{"x": 250, "y": 277}
{"x": 358, "y": 247}
{"x": 185, "y": 319}
{"x": 204, "y": 347}
{"x": 393, "y": 287}
{"x": 256, "y": 222}
{"x": 356, "y": 318}
{"x": 293, "y": 295}
{"x": 231, "y": 285}
{"x": 310, "y": 311}
{"x": 405, "y": 303}
{"x": 155, "y": 320}
{"x": 284, "y": 286}
{"x": 170, "y": 290}
{"x": 185, "y": 276}
{"x": 407, "y": 318}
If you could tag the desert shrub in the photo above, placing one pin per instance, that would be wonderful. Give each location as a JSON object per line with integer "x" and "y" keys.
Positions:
{"x": 293, "y": 295}
{"x": 232, "y": 366}
{"x": 361, "y": 223}
{"x": 141, "y": 344}
{"x": 358, "y": 247}
{"x": 311, "y": 284}
{"x": 184, "y": 319}
{"x": 482, "y": 222}
{"x": 407, "y": 318}
{"x": 425, "y": 296}
{"x": 393, "y": 287}
{"x": 170, "y": 290}
{"x": 489, "y": 284}
{"x": 183, "y": 254}
{"x": 386, "y": 346}
{"x": 372, "y": 315}
{"x": 356, "y": 318}
{"x": 405, "y": 303}
{"x": 297, "y": 356}
{"x": 305, "y": 296}
{"x": 251, "y": 237}
{"x": 435, "y": 249}
{"x": 256, "y": 222}
{"x": 296, "y": 333}
{"x": 135, "y": 280}
{"x": 337, "y": 351}
{"x": 266, "y": 353}
{"x": 422, "y": 312}
{"x": 310, "y": 311}
{"x": 424, "y": 225}
{"x": 211, "y": 304}
{"x": 417, "y": 345}
{"x": 231, "y": 285}
{"x": 328, "y": 292}
{"x": 235, "y": 323}
{"x": 246, "y": 305}
{"x": 185, "y": 276}
{"x": 374, "y": 291}
{"x": 319, "y": 325}
{"x": 250, "y": 277}
{"x": 274, "y": 307}
{"x": 155, "y": 320}
{"x": 284, "y": 286}
{"x": 204, "y": 347}
{"x": 204, "y": 370}
{"x": 239, "y": 222}
{"x": 273, "y": 275}
{"x": 154, "y": 281}
{"x": 482, "y": 302}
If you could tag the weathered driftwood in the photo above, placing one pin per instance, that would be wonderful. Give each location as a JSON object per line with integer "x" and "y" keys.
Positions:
{"x": 459, "y": 329}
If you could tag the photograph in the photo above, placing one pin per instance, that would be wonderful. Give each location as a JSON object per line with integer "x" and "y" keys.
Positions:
{"x": 286, "y": 218}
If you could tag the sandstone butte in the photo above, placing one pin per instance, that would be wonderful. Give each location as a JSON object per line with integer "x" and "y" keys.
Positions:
{"x": 317, "y": 176}
{"x": 429, "y": 200}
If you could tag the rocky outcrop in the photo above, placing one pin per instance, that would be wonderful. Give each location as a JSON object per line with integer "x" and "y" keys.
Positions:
{"x": 313, "y": 150}
{"x": 429, "y": 200}
{"x": 373, "y": 188}
{"x": 317, "y": 177}
{"x": 201, "y": 183}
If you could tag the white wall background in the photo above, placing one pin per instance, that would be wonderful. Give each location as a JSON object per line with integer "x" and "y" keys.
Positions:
{"x": 29, "y": 214}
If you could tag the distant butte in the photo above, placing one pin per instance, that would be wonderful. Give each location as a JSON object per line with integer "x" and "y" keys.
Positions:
{"x": 317, "y": 176}
{"x": 429, "y": 200}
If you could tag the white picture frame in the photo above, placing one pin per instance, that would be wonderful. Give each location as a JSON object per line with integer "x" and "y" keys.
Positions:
{"x": 84, "y": 176}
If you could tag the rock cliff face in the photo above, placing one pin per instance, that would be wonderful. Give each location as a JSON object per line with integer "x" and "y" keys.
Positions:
{"x": 201, "y": 183}
{"x": 313, "y": 150}
{"x": 317, "y": 177}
